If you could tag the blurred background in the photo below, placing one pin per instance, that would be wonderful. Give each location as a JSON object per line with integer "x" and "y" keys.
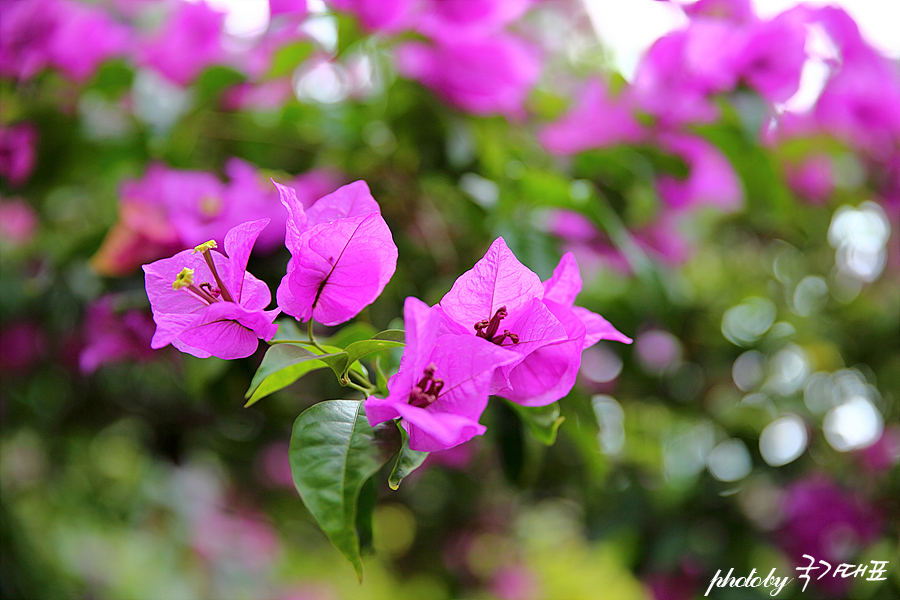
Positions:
{"x": 726, "y": 173}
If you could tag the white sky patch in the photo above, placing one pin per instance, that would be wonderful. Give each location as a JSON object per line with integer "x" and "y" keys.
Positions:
{"x": 245, "y": 18}
{"x": 630, "y": 27}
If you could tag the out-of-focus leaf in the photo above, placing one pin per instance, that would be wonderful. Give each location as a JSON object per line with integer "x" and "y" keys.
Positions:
{"x": 286, "y": 59}
{"x": 284, "y": 364}
{"x": 407, "y": 461}
{"x": 351, "y": 333}
{"x": 215, "y": 80}
{"x": 542, "y": 421}
{"x": 333, "y": 452}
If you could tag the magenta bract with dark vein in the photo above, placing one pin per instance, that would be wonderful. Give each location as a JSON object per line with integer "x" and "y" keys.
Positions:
{"x": 342, "y": 255}
{"x": 503, "y": 303}
{"x": 209, "y": 316}
{"x": 443, "y": 383}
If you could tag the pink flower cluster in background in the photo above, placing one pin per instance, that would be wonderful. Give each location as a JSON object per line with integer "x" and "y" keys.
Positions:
{"x": 168, "y": 209}
{"x": 471, "y": 59}
{"x": 498, "y": 331}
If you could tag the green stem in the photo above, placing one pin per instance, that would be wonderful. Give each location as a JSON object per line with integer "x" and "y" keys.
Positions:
{"x": 312, "y": 338}
{"x": 302, "y": 342}
{"x": 366, "y": 391}
{"x": 363, "y": 381}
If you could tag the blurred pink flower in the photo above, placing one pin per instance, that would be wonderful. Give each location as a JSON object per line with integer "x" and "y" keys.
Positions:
{"x": 18, "y": 152}
{"x": 72, "y": 36}
{"x": 813, "y": 179}
{"x": 388, "y": 16}
{"x": 26, "y": 32}
{"x": 448, "y": 19}
{"x": 883, "y": 455}
{"x": 772, "y": 57}
{"x": 274, "y": 465}
{"x": 240, "y": 537}
{"x": 189, "y": 41}
{"x": 595, "y": 121}
{"x": 84, "y": 38}
{"x": 18, "y": 222}
{"x": 483, "y": 76}
{"x": 515, "y": 582}
{"x": 825, "y": 521}
{"x": 22, "y": 344}
{"x": 112, "y": 336}
{"x": 711, "y": 180}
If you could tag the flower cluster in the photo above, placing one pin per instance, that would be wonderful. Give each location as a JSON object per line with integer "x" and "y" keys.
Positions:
{"x": 207, "y": 304}
{"x": 499, "y": 330}
{"x": 168, "y": 209}
{"x": 470, "y": 59}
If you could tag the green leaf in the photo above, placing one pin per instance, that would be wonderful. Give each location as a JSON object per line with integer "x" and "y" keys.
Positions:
{"x": 342, "y": 362}
{"x": 287, "y": 58}
{"x": 391, "y": 338}
{"x": 542, "y": 421}
{"x": 407, "y": 460}
{"x": 284, "y": 364}
{"x": 333, "y": 452}
{"x": 214, "y": 80}
{"x": 351, "y": 333}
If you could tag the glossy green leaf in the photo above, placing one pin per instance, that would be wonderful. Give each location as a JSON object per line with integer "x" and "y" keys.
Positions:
{"x": 407, "y": 461}
{"x": 284, "y": 364}
{"x": 542, "y": 421}
{"x": 391, "y": 338}
{"x": 333, "y": 452}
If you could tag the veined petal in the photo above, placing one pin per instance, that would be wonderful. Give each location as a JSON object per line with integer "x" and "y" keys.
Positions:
{"x": 227, "y": 330}
{"x": 342, "y": 267}
{"x": 351, "y": 200}
{"x": 565, "y": 283}
{"x": 297, "y": 219}
{"x": 598, "y": 328}
{"x": 429, "y": 431}
{"x": 548, "y": 373}
{"x": 497, "y": 280}
{"x": 238, "y": 245}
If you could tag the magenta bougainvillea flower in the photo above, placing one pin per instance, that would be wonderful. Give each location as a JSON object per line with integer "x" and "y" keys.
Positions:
{"x": 72, "y": 36}
{"x": 711, "y": 180}
{"x": 481, "y": 75}
{"x": 595, "y": 121}
{"x": 167, "y": 209}
{"x": 112, "y": 335}
{"x": 189, "y": 42}
{"x": 389, "y": 16}
{"x": 342, "y": 255}
{"x": 206, "y": 304}
{"x": 443, "y": 383}
{"x": 504, "y": 303}
{"x": 17, "y": 152}
{"x": 18, "y": 223}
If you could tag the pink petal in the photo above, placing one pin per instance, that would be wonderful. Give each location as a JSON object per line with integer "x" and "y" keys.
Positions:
{"x": 351, "y": 200}
{"x": 565, "y": 283}
{"x": 341, "y": 268}
{"x": 497, "y": 280}
{"x": 548, "y": 373}
{"x": 297, "y": 219}
{"x": 430, "y": 431}
{"x": 238, "y": 245}
{"x": 598, "y": 328}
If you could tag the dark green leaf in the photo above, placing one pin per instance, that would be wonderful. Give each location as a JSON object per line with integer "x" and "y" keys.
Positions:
{"x": 407, "y": 461}
{"x": 284, "y": 364}
{"x": 542, "y": 421}
{"x": 333, "y": 452}
{"x": 392, "y": 338}
{"x": 215, "y": 80}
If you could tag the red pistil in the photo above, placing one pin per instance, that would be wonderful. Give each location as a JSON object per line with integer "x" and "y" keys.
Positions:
{"x": 426, "y": 391}
{"x": 488, "y": 329}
